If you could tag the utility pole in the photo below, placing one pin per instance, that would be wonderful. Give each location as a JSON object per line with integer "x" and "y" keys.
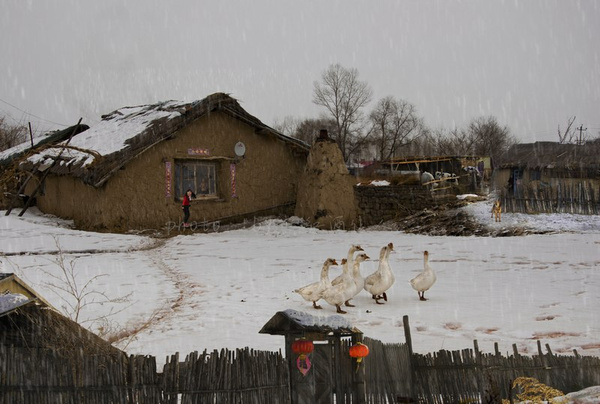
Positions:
{"x": 581, "y": 129}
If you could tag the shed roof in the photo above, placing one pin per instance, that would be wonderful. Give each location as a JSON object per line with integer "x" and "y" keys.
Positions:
{"x": 297, "y": 322}
{"x": 6, "y": 279}
{"x": 97, "y": 153}
{"x": 33, "y": 325}
{"x": 551, "y": 155}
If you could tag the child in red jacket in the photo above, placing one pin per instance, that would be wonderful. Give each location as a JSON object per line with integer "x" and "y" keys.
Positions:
{"x": 185, "y": 205}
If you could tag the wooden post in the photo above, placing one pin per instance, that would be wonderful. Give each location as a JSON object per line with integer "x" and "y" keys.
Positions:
{"x": 479, "y": 369}
{"x": 337, "y": 366}
{"x": 408, "y": 340}
{"x": 302, "y": 387}
{"x": 35, "y": 191}
{"x": 19, "y": 192}
{"x": 359, "y": 391}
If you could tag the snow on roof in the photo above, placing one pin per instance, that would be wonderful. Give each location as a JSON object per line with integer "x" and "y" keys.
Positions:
{"x": 113, "y": 132}
{"x": 20, "y": 148}
{"x": 333, "y": 322}
{"x": 9, "y": 301}
{"x": 95, "y": 154}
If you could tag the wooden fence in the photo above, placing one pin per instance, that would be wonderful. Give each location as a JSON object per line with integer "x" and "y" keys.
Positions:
{"x": 241, "y": 376}
{"x": 578, "y": 198}
{"x": 472, "y": 376}
{"x": 392, "y": 373}
{"x": 41, "y": 376}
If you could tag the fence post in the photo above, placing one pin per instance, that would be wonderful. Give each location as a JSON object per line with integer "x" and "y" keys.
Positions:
{"x": 479, "y": 369}
{"x": 408, "y": 340}
{"x": 358, "y": 376}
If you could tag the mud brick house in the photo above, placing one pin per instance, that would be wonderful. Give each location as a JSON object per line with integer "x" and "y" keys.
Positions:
{"x": 130, "y": 171}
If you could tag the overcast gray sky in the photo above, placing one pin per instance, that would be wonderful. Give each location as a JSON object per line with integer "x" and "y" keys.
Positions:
{"x": 530, "y": 63}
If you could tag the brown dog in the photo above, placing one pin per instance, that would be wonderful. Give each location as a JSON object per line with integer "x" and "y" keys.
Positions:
{"x": 497, "y": 211}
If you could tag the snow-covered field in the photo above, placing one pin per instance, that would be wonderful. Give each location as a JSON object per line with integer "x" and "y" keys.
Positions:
{"x": 204, "y": 291}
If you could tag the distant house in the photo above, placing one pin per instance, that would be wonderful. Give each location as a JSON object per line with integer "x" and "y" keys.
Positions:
{"x": 550, "y": 177}
{"x": 130, "y": 171}
{"x": 547, "y": 164}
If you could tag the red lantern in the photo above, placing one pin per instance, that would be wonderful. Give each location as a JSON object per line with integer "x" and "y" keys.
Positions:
{"x": 359, "y": 351}
{"x": 302, "y": 348}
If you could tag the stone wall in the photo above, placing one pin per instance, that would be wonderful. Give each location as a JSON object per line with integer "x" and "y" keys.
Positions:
{"x": 379, "y": 204}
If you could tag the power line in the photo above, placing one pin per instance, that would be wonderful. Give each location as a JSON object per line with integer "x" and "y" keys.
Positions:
{"x": 30, "y": 114}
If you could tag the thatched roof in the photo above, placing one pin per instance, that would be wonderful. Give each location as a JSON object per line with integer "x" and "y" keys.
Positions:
{"x": 551, "y": 155}
{"x": 97, "y": 153}
{"x": 14, "y": 153}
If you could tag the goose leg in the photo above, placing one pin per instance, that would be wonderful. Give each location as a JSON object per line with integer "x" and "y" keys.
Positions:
{"x": 373, "y": 297}
{"x": 384, "y": 296}
{"x": 347, "y": 303}
{"x": 377, "y": 299}
{"x": 316, "y": 306}
{"x": 422, "y": 296}
{"x": 339, "y": 310}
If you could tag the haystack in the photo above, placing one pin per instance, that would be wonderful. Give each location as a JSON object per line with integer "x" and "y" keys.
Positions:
{"x": 326, "y": 189}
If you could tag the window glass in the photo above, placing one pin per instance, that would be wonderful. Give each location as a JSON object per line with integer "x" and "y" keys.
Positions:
{"x": 200, "y": 177}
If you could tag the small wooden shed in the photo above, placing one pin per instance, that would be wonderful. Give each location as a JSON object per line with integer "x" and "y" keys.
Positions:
{"x": 11, "y": 283}
{"x": 330, "y": 364}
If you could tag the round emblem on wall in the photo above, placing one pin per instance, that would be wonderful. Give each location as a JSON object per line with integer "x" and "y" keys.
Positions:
{"x": 240, "y": 149}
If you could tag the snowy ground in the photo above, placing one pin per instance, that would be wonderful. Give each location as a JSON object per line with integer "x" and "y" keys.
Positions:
{"x": 205, "y": 291}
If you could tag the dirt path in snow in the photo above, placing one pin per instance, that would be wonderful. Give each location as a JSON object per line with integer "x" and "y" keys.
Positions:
{"x": 184, "y": 289}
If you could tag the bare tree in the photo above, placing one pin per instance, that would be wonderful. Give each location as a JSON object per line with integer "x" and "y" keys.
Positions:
{"x": 77, "y": 294}
{"x": 344, "y": 97}
{"x": 452, "y": 142}
{"x": 394, "y": 124}
{"x": 569, "y": 135}
{"x": 487, "y": 138}
{"x": 482, "y": 137}
{"x": 11, "y": 135}
{"x": 287, "y": 125}
{"x": 308, "y": 129}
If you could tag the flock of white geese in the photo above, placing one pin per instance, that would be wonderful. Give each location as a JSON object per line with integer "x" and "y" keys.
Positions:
{"x": 343, "y": 288}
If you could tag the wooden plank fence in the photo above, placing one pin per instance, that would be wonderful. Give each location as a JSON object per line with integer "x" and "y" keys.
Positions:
{"x": 576, "y": 198}
{"x": 392, "y": 373}
{"x": 240, "y": 376}
{"x": 472, "y": 376}
{"x": 41, "y": 376}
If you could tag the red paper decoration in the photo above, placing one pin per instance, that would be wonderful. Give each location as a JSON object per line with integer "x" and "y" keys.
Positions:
{"x": 302, "y": 348}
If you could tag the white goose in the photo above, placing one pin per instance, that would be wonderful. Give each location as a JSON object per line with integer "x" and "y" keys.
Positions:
{"x": 359, "y": 281}
{"x": 422, "y": 282}
{"x": 350, "y": 261}
{"x": 381, "y": 280}
{"x": 339, "y": 294}
{"x": 314, "y": 291}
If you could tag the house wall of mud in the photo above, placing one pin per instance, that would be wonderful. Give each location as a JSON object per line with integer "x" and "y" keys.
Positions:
{"x": 141, "y": 195}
